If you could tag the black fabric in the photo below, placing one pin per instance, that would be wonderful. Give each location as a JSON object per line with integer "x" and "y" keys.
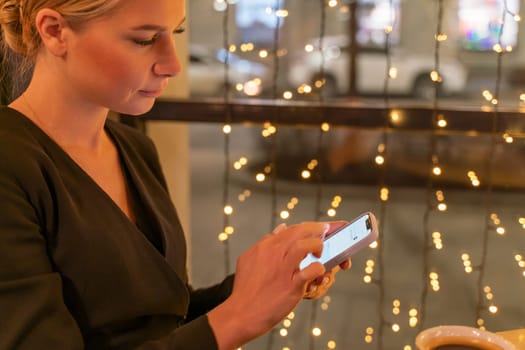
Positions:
{"x": 75, "y": 272}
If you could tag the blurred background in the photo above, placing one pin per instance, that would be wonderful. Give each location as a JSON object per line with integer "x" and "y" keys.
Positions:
{"x": 301, "y": 110}
{"x": 448, "y": 191}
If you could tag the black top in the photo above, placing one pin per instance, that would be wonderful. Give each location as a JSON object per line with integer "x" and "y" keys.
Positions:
{"x": 75, "y": 272}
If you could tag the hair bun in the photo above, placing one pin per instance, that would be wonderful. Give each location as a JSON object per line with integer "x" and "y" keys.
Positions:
{"x": 12, "y": 27}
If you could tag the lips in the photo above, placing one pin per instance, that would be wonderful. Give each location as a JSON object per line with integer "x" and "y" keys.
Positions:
{"x": 155, "y": 92}
{"x": 151, "y": 93}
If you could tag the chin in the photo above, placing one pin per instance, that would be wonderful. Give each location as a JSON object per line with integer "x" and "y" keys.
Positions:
{"x": 135, "y": 109}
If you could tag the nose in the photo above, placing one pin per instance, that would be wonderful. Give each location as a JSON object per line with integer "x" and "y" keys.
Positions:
{"x": 167, "y": 64}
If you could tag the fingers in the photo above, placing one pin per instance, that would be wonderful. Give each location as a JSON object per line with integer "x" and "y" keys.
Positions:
{"x": 319, "y": 286}
{"x": 334, "y": 227}
{"x": 345, "y": 265}
{"x": 279, "y": 228}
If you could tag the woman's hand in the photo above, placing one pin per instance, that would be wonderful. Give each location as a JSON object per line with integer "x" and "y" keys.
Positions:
{"x": 318, "y": 287}
{"x": 268, "y": 282}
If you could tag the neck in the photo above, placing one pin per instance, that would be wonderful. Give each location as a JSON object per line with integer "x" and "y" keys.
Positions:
{"x": 63, "y": 120}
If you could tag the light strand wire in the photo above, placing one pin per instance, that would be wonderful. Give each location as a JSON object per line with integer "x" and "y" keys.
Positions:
{"x": 433, "y": 159}
{"x": 379, "y": 281}
{"x": 320, "y": 156}
{"x": 227, "y": 137}
{"x": 274, "y": 137}
{"x": 489, "y": 171}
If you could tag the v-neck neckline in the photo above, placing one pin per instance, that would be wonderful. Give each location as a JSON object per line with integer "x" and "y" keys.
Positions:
{"x": 127, "y": 170}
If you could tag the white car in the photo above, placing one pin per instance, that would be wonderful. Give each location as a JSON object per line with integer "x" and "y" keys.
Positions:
{"x": 412, "y": 71}
{"x": 207, "y": 68}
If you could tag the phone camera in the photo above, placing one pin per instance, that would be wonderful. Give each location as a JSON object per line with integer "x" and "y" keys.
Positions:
{"x": 368, "y": 224}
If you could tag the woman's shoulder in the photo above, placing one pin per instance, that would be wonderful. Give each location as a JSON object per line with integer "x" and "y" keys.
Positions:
{"x": 17, "y": 133}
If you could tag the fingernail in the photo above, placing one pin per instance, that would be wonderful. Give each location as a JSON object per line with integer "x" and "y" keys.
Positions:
{"x": 326, "y": 228}
{"x": 325, "y": 281}
{"x": 279, "y": 228}
{"x": 312, "y": 288}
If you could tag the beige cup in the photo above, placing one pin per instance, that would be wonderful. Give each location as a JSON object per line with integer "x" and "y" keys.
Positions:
{"x": 461, "y": 338}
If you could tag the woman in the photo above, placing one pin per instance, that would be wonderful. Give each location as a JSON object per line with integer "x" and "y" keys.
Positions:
{"x": 92, "y": 254}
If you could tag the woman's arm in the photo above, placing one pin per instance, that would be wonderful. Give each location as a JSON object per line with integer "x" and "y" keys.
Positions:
{"x": 268, "y": 284}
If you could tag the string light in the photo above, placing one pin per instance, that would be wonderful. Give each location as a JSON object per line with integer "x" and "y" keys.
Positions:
{"x": 413, "y": 319}
{"x": 369, "y": 335}
{"x": 380, "y": 159}
{"x": 434, "y": 281}
{"x": 467, "y": 263}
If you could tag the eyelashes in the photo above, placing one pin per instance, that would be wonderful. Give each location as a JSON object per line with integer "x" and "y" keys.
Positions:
{"x": 153, "y": 40}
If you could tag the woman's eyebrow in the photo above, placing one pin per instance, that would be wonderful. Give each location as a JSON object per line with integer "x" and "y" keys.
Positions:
{"x": 155, "y": 27}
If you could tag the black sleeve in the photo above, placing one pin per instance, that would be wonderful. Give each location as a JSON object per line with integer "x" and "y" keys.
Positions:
{"x": 33, "y": 314}
{"x": 205, "y": 299}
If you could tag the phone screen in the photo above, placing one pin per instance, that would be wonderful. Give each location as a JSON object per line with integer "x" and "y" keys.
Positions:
{"x": 341, "y": 240}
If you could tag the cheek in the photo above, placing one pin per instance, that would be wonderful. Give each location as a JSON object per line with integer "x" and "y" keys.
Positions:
{"x": 111, "y": 64}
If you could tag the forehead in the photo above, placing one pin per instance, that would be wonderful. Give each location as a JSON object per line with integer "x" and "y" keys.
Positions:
{"x": 165, "y": 13}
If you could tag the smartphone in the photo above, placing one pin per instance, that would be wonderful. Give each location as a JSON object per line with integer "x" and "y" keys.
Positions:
{"x": 345, "y": 242}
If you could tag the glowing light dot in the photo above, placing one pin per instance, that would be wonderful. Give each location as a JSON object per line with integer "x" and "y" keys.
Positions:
{"x": 500, "y": 230}
{"x": 412, "y": 312}
{"x": 287, "y": 95}
{"x": 392, "y": 73}
{"x": 493, "y": 309}
{"x": 316, "y": 331}
{"x": 434, "y": 76}
{"x": 369, "y": 330}
{"x": 325, "y": 127}
{"x": 384, "y": 194}
{"x": 442, "y": 207}
{"x": 395, "y": 117}
{"x": 331, "y": 344}
{"x": 285, "y": 214}
{"x": 442, "y": 123}
{"x": 437, "y": 171}
{"x": 368, "y": 339}
{"x": 287, "y": 323}
{"x": 263, "y": 53}
{"x": 517, "y": 18}
{"x": 227, "y": 129}
{"x": 309, "y": 48}
{"x": 407, "y": 347}
{"x": 229, "y": 230}
{"x": 223, "y": 236}
{"x": 396, "y": 328}
{"x": 260, "y": 177}
{"x": 367, "y": 279}
{"x": 412, "y": 322}
{"x": 331, "y": 212}
{"x": 228, "y": 210}
{"x": 374, "y": 245}
{"x": 332, "y": 3}
{"x": 380, "y": 160}
{"x": 283, "y": 332}
{"x": 306, "y": 174}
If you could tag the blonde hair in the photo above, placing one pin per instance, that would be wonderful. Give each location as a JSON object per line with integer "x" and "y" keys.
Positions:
{"x": 20, "y": 38}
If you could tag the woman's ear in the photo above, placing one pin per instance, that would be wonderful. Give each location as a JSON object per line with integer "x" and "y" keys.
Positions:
{"x": 50, "y": 25}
